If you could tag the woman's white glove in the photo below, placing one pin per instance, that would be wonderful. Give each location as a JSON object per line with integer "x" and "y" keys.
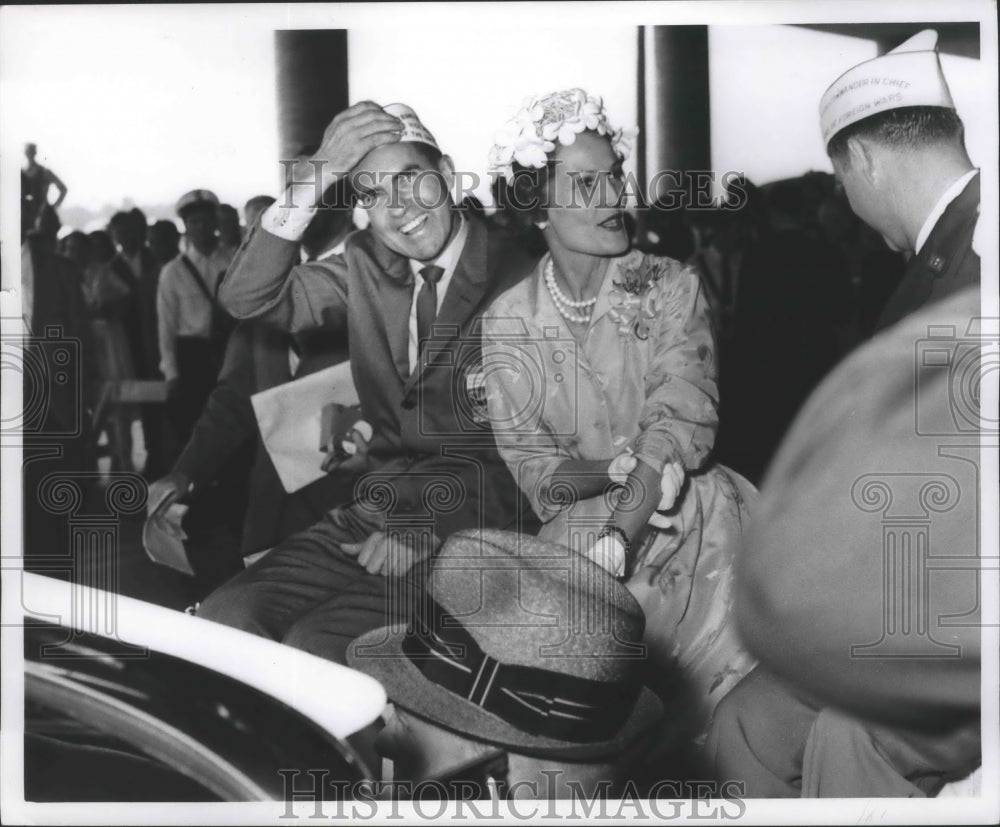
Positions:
{"x": 609, "y": 553}
{"x": 671, "y": 483}
{"x": 621, "y": 466}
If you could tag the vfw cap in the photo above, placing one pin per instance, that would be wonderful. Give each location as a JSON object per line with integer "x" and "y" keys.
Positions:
{"x": 909, "y": 75}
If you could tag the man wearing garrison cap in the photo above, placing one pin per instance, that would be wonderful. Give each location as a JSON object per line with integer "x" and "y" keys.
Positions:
{"x": 191, "y": 330}
{"x": 409, "y": 291}
{"x": 868, "y": 683}
{"x": 898, "y": 148}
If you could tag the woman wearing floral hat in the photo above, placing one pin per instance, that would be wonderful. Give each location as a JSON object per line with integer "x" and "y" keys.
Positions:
{"x": 601, "y": 382}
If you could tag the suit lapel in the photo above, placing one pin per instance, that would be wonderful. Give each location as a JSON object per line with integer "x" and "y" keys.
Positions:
{"x": 390, "y": 286}
{"x": 465, "y": 293}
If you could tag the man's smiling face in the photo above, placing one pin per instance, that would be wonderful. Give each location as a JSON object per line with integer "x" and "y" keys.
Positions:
{"x": 406, "y": 196}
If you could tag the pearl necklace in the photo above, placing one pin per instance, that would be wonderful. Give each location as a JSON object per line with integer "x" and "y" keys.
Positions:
{"x": 564, "y": 304}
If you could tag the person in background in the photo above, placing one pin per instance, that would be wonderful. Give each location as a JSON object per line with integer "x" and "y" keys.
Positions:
{"x": 794, "y": 292}
{"x": 327, "y": 232}
{"x": 136, "y": 265}
{"x": 191, "y": 325}
{"x": 164, "y": 241}
{"x": 110, "y": 302}
{"x": 898, "y": 150}
{"x": 212, "y": 469}
{"x": 230, "y": 232}
{"x": 36, "y": 183}
{"x": 58, "y": 342}
{"x": 141, "y": 225}
{"x": 875, "y": 269}
{"x": 563, "y": 710}
{"x": 252, "y": 210}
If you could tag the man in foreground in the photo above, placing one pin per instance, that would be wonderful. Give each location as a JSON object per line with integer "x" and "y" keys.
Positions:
{"x": 409, "y": 290}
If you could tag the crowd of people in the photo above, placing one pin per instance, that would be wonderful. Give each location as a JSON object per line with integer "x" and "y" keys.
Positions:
{"x": 545, "y": 538}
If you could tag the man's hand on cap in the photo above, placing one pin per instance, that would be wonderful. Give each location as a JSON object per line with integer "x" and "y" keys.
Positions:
{"x": 351, "y": 135}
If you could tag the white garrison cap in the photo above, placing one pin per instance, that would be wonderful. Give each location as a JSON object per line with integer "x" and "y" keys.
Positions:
{"x": 909, "y": 75}
{"x": 413, "y": 129}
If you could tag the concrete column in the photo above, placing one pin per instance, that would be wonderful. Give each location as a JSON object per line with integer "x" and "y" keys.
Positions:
{"x": 678, "y": 134}
{"x": 312, "y": 85}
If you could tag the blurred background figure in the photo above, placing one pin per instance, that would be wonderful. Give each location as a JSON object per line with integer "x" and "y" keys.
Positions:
{"x": 136, "y": 265}
{"x": 794, "y": 293}
{"x": 238, "y": 505}
{"x": 164, "y": 241}
{"x": 141, "y": 224}
{"x": 253, "y": 208}
{"x": 192, "y": 327}
{"x": 110, "y": 302}
{"x": 664, "y": 231}
{"x": 873, "y": 269}
{"x": 326, "y": 233}
{"x": 230, "y": 231}
{"x": 36, "y": 182}
{"x": 58, "y": 343}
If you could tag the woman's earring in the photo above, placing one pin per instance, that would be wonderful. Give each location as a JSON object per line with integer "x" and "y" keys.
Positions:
{"x": 541, "y": 224}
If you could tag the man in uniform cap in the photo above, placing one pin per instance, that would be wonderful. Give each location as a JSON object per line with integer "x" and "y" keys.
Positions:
{"x": 520, "y": 664}
{"x": 897, "y": 146}
{"x": 409, "y": 290}
{"x": 187, "y": 312}
{"x": 832, "y": 710}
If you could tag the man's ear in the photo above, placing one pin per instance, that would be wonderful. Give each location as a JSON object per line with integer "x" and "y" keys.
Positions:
{"x": 862, "y": 157}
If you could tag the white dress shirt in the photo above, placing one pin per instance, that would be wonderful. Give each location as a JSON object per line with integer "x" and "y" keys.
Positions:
{"x": 946, "y": 198}
{"x": 181, "y": 307}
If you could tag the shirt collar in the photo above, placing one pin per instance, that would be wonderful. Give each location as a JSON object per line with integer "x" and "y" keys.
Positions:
{"x": 946, "y": 198}
{"x": 335, "y": 250}
{"x": 448, "y": 260}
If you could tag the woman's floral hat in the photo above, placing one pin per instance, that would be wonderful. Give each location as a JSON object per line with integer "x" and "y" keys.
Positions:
{"x": 532, "y": 133}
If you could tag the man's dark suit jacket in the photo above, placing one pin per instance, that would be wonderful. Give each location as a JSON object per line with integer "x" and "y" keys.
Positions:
{"x": 435, "y": 456}
{"x": 257, "y": 359}
{"x": 945, "y": 264}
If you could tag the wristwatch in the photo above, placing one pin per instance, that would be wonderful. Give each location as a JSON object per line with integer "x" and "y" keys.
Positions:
{"x": 611, "y": 529}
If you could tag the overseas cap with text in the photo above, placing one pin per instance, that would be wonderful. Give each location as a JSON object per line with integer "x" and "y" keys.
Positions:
{"x": 909, "y": 75}
{"x": 413, "y": 129}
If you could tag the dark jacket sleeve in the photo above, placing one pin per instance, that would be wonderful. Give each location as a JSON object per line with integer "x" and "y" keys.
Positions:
{"x": 228, "y": 420}
{"x": 266, "y": 282}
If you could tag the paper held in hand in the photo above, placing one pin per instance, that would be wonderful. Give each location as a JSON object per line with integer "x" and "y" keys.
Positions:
{"x": 163, "y": 537}
{"x": 289, "y": 418}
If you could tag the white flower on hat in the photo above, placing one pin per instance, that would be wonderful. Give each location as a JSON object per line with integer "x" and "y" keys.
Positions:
{"x": 541, "y": 123}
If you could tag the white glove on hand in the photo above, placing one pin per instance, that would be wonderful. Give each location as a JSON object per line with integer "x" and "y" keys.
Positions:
{"x": 609, "y": 553}
{"x": 671, "y": 483}
{"x": 621, "y": 466}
